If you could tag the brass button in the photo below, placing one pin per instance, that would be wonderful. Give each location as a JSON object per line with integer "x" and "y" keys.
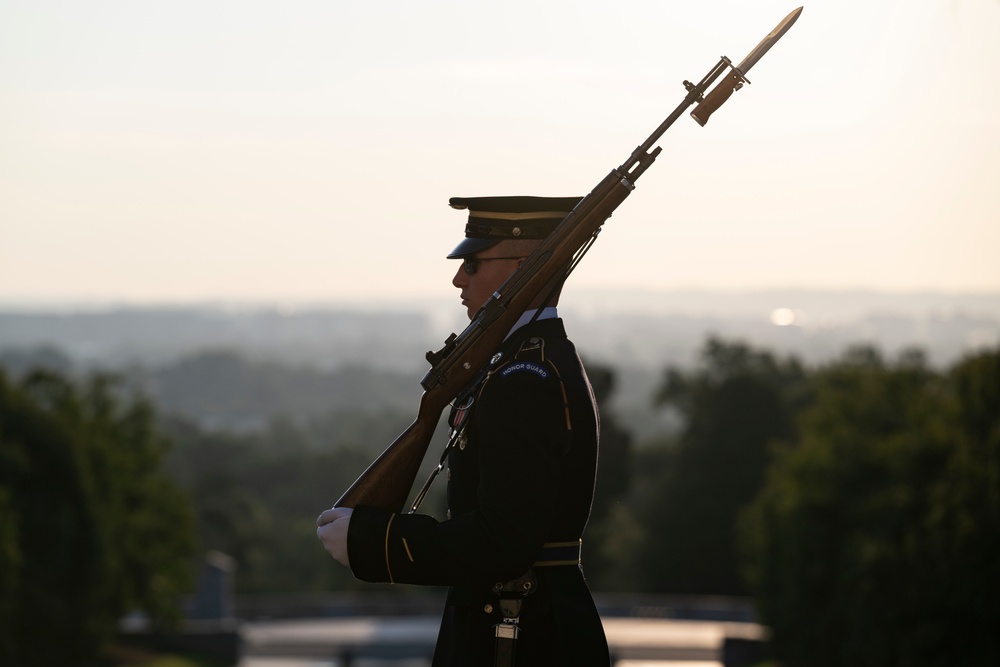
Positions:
{"x": 488, "y": 608}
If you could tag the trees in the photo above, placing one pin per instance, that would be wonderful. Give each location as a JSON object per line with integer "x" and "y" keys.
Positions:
{"x": 257, "y": 498}
{"x": 876, "y": 538}
{"x": 734, "y": 405}
{"x": 873, "y": 530}
{"x": 89, "y": 527}
{"x": 611, "y": 531}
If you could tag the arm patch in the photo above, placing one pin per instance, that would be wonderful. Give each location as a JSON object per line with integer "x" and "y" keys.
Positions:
{"x": 524, "y": 367}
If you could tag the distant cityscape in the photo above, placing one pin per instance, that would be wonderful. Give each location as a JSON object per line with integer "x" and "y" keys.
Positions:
{"x": 638, "y": 335}
{"x": 613, "y": 326}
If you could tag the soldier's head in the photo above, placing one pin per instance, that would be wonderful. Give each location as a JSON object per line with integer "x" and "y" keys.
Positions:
{"x": 500, "y": 234}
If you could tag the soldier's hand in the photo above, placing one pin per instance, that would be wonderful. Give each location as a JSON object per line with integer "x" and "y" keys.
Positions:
{"x": 332, "y": 526}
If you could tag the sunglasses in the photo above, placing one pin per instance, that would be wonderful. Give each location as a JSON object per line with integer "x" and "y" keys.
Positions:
{"x": 471, "y": 264}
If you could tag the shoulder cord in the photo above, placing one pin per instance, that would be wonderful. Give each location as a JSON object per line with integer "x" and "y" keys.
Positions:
{"x": 533, "y": 344}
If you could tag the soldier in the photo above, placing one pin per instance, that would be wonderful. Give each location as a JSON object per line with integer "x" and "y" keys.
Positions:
{"x": 520, "y": 480}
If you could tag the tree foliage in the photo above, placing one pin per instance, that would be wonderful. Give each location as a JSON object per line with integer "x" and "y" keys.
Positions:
{"x": 876, "y": 538}
{"x": 257, "y": 496}
{"x": 860, "y": 502}
{"x": 690, "y": 491}
{"x": 90, "y": 528}
{"x": 611, "y": 533}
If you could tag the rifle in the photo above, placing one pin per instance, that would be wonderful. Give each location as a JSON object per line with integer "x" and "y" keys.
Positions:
{"x": 387, "y": 481}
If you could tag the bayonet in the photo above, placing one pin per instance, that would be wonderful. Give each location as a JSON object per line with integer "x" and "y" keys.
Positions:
{"x": 737, "y": 77}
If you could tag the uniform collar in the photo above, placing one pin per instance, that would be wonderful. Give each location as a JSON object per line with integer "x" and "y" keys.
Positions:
{"x": 529, "y": 315}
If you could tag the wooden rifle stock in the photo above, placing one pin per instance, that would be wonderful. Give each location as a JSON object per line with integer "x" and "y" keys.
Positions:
{"x": 387, "y": 481}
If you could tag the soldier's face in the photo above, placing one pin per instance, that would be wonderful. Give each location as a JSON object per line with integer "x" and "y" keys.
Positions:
{"x": 490, "y": 268}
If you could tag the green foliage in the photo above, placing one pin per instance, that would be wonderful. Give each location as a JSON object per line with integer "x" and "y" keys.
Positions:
{"x": 865, "y": 495}
{"x": 876, "y": 538}
{"x": 89, "y": 527}
{"x": 689, "y": 492}
{"x": 611, "y": 533}
{"x": 257, "y": 497}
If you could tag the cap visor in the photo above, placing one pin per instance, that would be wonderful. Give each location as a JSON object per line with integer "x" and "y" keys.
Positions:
{"x": 471, "y": 246}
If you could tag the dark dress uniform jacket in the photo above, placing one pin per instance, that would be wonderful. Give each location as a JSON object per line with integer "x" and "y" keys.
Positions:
{"x": 524, "y": 478}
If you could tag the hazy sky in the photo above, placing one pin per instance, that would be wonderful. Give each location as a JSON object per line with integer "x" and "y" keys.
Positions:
{"x": 177, "y": 151}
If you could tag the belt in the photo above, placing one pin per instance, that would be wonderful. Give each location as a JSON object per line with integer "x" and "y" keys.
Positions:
{"x": 559, "y": 553}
